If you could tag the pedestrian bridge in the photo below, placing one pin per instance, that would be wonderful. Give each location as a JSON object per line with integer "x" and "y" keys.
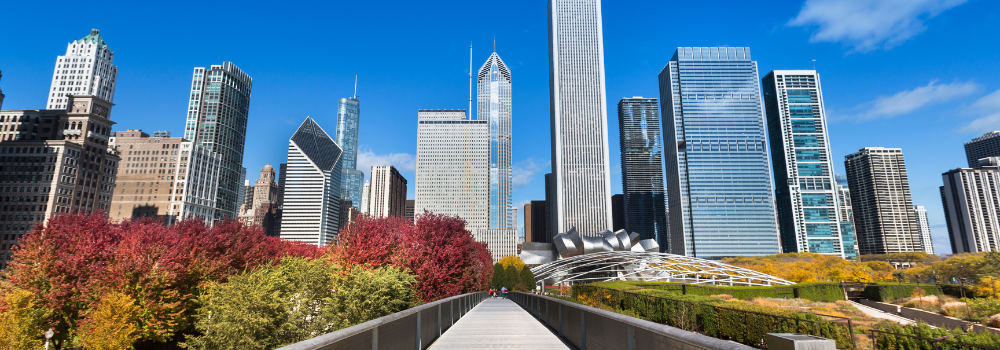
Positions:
{"x": 524, "y": 321}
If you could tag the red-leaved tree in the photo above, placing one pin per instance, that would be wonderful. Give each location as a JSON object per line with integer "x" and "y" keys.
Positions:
{"x": 74, "y": 260}
{"x": 376, "y": 242}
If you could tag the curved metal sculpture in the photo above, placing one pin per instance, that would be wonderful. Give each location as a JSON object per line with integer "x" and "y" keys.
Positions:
{"x": 649, "y": 266}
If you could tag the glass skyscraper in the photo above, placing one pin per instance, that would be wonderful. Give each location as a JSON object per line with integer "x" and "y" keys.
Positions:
{"x": 217, "y": 120}
{"x": 806, "y": 191}
{"x": 579, "y": 119}
{"x": 494, "y": 105}
{"x": 348, "y": 118}
{"x": 718, "y": 181}
{"x": 645, "y": 209}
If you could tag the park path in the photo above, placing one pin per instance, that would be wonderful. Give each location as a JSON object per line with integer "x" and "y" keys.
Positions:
{"x": 498, "y": 324}
{"x": 876, "y": 313}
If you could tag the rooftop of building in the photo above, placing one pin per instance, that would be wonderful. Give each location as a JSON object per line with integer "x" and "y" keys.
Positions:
{"x": 986, "y": 136}
{"x": 93, "y": 38}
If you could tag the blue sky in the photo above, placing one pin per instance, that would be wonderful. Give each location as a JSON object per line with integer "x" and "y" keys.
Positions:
{"x": 916, "y": 74}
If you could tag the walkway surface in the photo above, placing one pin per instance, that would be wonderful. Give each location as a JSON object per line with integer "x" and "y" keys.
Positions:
{"x": 498, "y": 324}
{"x": 876, "y": 313}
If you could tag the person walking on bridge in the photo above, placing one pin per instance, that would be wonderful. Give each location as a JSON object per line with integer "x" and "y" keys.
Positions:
{"x": 504, "y": 292}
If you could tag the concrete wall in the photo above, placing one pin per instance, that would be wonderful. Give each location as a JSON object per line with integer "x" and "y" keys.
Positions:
{"x": 928, "y": 317}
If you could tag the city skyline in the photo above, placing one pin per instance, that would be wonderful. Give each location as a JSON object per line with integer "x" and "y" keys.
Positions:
{"x": 843, "y": 64}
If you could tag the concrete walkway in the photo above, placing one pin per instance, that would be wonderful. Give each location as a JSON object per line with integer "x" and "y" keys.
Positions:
{"x": 498, "y": 324}
{"x": 876, "y": 313}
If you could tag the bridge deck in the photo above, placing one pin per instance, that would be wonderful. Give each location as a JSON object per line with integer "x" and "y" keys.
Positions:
{"x": 498, "y": 324}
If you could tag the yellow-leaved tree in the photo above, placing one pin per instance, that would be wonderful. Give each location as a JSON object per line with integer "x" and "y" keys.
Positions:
{"x": 988, "y": 287}
{"x": 111, "y": 324}
{"x": 22, "y": 321}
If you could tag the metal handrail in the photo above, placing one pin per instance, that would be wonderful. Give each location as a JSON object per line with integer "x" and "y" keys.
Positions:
{"x": 464, "y": 303}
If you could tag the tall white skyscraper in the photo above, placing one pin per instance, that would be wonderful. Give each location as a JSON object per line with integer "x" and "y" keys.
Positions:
{"x": 85, "y": 69}
{"x": 217, "y": 120}
{"x": 494, "y": 106}
{"x": 925, "y": 228}
{"x": 971, "y": 198}
{"x": 579, "y": 117}
{"x": 453, "y": 175}
{"x": 386, "y": 192}
{"x": 311, "y": 205}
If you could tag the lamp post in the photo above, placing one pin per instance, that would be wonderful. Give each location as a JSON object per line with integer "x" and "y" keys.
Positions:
{"x": 48, "y": 336}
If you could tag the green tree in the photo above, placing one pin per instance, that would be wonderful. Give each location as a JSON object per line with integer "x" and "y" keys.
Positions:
{"x": 365, "y": 294}
{"x": 498, "y": 276}
{"x": 267, "y": 307}
{"x": 528, "y": 278}
{"x": 22, "y": 321}
{"x": 510, "y": 279}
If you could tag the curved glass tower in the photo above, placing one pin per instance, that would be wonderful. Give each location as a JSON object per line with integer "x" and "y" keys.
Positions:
{"x": 494, "y": 106}
{"x": 348, "y": 118}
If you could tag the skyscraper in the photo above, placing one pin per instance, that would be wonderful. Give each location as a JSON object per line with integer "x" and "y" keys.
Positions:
{"x": 718, "y": 180}
{"x": 494, "y": 106}
{"x": 217, "y": 120}
{"x": 981, "y": 147}
{"x": 925, "y": 228}
{"x": 645, "y": 210}
{"x": 805, "y": 193}
{"x": 846, "y": 218}
{"x": 884, "y": 220}
{"x": 86, "y": 69}
{"x": 348, "y": 118}
{"x": 386, "y": 192}
{"x": 580, "y": 165}
{"x": 971, "y": 198}
{"x": 311, "y": 207}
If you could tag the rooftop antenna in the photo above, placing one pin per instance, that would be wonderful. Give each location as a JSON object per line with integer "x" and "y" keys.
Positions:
{"x": 355, "y": 87}
{"x": 469, "y": 114}
{"x": 814, "y": 64}
{"x": 494, "y": 44}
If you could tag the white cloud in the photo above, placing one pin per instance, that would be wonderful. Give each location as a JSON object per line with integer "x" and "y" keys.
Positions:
{"x": 988, "y": 107}
{"x": 910, "y": 100}
{"x": 525, "y": 171}
{"x": 404, "y": 162}
{"x": 867, "y": 25}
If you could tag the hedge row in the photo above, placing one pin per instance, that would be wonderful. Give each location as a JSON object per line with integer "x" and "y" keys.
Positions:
{"x": 894, "y": 341}
{"x": 740, "y": 322}
{"x": 826, "y": 292}
{"x": 890, "y": 292}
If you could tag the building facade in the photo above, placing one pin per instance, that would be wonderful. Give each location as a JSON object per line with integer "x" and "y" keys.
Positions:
{"x": 51, "y": 162}
{"x": 493, "y": 86}
{"x": 805, "y": 188}
{"x": 981, "y": 147}
{"x": 387, "y": 192}
{"x": 715, "y": 155}
{"x": 311, "y": 203}
{"x": 645, "y": 201}
{"x": 217, "y": 120}
{"x": 925, "y": 228}
{"x": 198, "y": 171}
{"x": 409, "y": 210}
{"x": 87, "y": 68}
{"x": 971, "y": 198}
{"x": 579, "y": 122}
{"x": 348, "y": 119}
{"x": 535, "y": 222}
{"x": 884, "y": 221}
{"x": 846, "y": 218}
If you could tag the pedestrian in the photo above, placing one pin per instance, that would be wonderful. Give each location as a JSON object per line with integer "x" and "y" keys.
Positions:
{"x": 491, "y": 292}
{"x": 504, "y": 292}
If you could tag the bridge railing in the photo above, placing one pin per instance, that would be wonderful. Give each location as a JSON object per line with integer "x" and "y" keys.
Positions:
{"x": 587, "y": 327}
{"x": 415, "y": 328}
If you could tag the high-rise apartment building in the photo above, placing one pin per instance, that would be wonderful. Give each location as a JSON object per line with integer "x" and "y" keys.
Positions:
{"x": 805, "y": 193}
{"x": 348, "y": 118}
{"x": 981, "y": 147}
{"x": 925, "y": 228}
{"x": 715, "y": 155}
{"x": 971, "y": 198}
{"x": 311, "y": 203}
{"x": 493, "y": 86}
{"x": 167, "y": 178}
{"x": 580, "y": 164}
{"x": 645, "y": 199}
{"x": 884, "y": 221}
{"x": 54, "y": 161}
{"x": 535, "y": 223}
{"x": 365, "y": 191}
{"x": 386, "y": 192}
{"x": 453, "y": 174}
{"x": 846, "y": 218}
{"x": 86, "y": 69}
{"x": 217, "y": 120}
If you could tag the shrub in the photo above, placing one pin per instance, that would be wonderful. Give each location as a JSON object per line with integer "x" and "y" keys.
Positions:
{"x": 22, "y": 321}
{"x": 887, "y": 292}
{"x": 955, "y": 309}
{"x": 891, "y": 341}
{"x": 111, "y": 324}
